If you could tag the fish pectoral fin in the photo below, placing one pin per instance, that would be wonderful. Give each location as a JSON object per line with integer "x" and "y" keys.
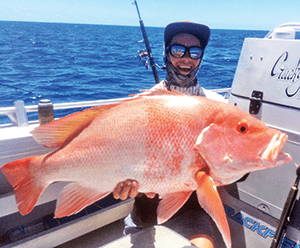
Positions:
{"x": 170, "y": 204}
{"x": 74, "y": 198}
{"x": 209, "y": 199}
{"x": 57, "y": 132}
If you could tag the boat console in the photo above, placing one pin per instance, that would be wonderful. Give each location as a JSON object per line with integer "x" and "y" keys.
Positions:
{"x": 267, "y": 85}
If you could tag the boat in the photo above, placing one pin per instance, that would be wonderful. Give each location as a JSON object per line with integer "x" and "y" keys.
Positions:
{"x": 266, "y": 85}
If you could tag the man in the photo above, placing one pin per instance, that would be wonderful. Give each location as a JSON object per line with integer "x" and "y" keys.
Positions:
{"x": 184, "y": 44}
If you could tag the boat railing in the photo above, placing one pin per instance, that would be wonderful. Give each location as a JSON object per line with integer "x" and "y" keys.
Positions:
{"x": 12, "y": 112}
{"x": 225, "y": 91}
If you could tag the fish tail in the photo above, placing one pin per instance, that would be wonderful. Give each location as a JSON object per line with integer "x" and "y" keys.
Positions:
{"x": 27, "y": 190}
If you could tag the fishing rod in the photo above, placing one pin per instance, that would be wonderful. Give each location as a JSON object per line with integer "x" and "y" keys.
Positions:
{"x": 286, "y": 212}
{"x": 152, "y": 64}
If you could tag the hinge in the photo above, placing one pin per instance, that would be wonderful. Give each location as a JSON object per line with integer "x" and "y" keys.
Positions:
{"x": 255, "y": 102}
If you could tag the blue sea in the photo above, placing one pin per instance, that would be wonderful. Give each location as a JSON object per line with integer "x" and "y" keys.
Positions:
{"x": 79, "y": 62}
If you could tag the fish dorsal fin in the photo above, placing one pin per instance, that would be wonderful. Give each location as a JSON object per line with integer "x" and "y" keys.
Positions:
{"x": 57, "y": 132}
{"x": 74, "y": 198}
{"x": 209, "y": 199}
{"x": 170, "y": 204}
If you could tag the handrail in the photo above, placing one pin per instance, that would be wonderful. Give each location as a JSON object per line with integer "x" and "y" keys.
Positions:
{"x": 221, "y": 90}
{"x": 34, "y": 108}
{"x": 11, "y": 111}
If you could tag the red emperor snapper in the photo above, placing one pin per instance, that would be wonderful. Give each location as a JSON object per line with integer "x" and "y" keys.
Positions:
{"x": 171, "y": 143}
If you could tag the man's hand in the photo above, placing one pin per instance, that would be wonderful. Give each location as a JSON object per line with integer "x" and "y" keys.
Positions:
{"x": 128, "y": 188}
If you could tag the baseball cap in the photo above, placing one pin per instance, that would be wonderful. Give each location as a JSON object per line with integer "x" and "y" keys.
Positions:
{"x": 200, "y": 31}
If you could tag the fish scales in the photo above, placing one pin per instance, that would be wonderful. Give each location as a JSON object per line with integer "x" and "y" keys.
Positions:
{"x": 158, "y": 152}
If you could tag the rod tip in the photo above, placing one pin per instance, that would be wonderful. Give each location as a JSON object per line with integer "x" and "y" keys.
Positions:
{"x": 298, "y": 171}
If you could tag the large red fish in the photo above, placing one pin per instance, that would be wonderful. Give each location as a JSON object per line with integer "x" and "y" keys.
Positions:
{"x": 172, "y": 144}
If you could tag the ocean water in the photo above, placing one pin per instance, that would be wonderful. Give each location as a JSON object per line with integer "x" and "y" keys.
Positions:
{"x": 77, "y": 62}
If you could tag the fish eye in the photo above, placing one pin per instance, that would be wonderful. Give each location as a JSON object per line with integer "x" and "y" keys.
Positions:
{"x": 242, "y": 127}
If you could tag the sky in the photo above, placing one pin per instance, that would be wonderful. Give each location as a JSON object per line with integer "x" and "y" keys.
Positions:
{"x": 217, "y": 14}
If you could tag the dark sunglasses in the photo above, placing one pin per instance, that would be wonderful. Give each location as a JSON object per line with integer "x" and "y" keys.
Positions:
{"x": 178, "y": 51}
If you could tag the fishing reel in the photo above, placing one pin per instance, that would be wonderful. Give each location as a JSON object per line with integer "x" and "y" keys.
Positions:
{"x": 145, "y": 60}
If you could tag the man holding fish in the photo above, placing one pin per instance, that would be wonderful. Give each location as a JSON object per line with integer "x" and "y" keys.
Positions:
{"x": 167, "y": 142}
{"x": 184, "y": 44}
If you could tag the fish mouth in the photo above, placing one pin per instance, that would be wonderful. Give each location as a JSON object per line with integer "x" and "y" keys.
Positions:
{"x": 272, "y": 155}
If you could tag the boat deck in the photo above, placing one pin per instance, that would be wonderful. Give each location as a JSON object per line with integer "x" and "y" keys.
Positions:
{"x": 111, "y": 236}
